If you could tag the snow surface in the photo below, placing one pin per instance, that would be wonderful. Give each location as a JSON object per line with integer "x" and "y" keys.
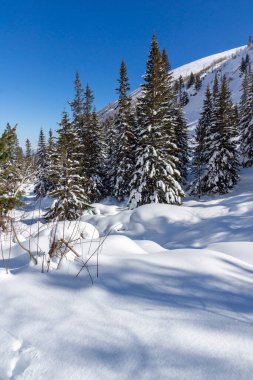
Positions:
{"x": 173, "y": 298}
{"x": 174, "y": 294}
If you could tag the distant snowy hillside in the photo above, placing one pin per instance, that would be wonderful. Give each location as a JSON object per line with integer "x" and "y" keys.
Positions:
{"x": 227, "y": 63}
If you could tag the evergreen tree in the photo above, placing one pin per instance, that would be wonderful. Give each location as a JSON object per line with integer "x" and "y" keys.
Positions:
{"x": 156, "y": 177}
{"x": 69, "y": 196}
{"x": 201, "y": 146}
{"x": 246, "y": 121}
{"x": 198, "y": 82}
{"x": 96, "y": 159}
{"x": 77, "y": 105}
{"x": 215, "y": 89}
{"x": 42, "y": 182}
{"x": 181, "y": 142}
{"x": 28, "y": 149}
{"x": 10, "y": 175}
{"x": 125, "y": 135}
{"x": 191, "y": 80}
{"x": 111, "y": 153}
{"x": 222, "y": 167}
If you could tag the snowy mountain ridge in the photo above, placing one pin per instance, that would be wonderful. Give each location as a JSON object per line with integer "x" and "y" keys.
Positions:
{"x": 227, "y": 62}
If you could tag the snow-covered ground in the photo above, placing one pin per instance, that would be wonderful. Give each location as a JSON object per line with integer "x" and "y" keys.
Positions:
{"x": 173, "y": 298}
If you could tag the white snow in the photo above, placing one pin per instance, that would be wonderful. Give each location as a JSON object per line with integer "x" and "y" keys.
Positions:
{"x": 173, "y": 298}
{"x": 173, "y": 286}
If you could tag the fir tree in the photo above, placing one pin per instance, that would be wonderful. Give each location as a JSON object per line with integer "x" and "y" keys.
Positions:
{"x": 181, "y": 142}
{"x": 42, "y": 183}
{"x": 69, "y": 196}
{"x": 156, "y": 177}
{"x": 246, "y": 121}
{"x": 10, "y": 174}
{"x": 191, "y": 80}
{"x": 222, "y": 167}
{"x": 28, "y": 149}
{"x": 198, "y": 82}
{"x": 125, "y": 135}
{"x": 201, "y": 146}
{"x": 111, "y": 153}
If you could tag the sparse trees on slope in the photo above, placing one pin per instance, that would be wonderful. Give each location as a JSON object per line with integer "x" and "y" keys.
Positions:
{"x": 156, "y": 177}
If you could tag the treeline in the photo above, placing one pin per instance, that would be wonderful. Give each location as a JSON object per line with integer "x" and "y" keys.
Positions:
{"x": 142, "y": 153}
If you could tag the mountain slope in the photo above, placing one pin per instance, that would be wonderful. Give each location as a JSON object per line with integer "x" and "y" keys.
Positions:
{"x": 227, "y": 62}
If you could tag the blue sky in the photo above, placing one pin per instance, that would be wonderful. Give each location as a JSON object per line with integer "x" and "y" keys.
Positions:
{"x": 44, "y": 42}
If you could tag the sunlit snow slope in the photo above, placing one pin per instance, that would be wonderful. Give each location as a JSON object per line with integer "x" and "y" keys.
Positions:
{"x": 227, "y": 63}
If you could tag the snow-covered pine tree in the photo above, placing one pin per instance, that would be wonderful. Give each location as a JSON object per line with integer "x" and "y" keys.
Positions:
{"x": 246, "y": 121}
{"x": 69, "y": 196}
{"x": 42, "y": 186}
{"x": 10, "y": 174}
{"x": 124, "y": 124}
{"x": 96, "y": 158}
{"x": 176, "y": 131}
{"x": 182, "y": 143}
{"x": 222, "y": 167}
{"x": 191, "y": 80}
{"x": 198, "y": 82}
{"x": 28, "y": 149}
{"x": 93, "y": 150}
{"x": 82, "y": 119}
{"x": 156, "y": 177}
{"x": 111, "y": 147}
{"x": 201, "y": 146}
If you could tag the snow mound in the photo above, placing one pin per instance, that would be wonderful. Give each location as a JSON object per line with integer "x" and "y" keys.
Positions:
{"x": 242, "y": 250}
{"x": 74, "y": 230}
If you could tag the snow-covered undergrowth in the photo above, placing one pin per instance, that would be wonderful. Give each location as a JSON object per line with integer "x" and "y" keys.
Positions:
{"x": 173, "y": 298}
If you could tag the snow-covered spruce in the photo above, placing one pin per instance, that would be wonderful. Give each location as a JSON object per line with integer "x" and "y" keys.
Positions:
{"x": 124, "y": 125}
{"x": 246, "y": 120}
{"x": 222, "y": 166}
{"x": 69, "y": 196}
{"x": 200, "y": 150}
{"x": 156, "y": 178}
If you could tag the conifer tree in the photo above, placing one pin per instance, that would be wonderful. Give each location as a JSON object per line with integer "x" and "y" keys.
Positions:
{"x": 181, "y": 143}
{"x": 96, "y": 157}
{"x": 10, "y": 173}
{"x": 69, "y": 196}
{"x": 124, "y": 125}
{"x": 191, "y": 80}
{"x": 222, "y": 167}
{"x": 202, "y": 141}
{"x": 198, "y": 82}
{"x": 156, "y": 177}
{"x": 246, "y": 121}
{"x": 42, "y": 183}
{"x": 28, "y": 148}
{"x": 111, "y": 149}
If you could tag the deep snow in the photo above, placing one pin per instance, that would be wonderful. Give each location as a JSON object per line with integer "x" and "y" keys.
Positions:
{"x": 174, "y": 294}
{"x": 173, "y": 299}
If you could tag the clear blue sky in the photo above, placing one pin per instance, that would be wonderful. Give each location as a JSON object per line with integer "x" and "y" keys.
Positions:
{"x": 43, "y": 43}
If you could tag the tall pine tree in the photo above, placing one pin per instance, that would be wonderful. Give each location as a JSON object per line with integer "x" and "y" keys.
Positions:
{"x": 125, "y": 135}
{"x": 155, "y": 177}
